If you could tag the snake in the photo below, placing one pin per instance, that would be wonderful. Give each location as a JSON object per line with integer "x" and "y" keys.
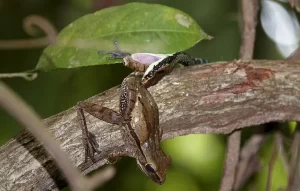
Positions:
{"x": 154, "y": 66}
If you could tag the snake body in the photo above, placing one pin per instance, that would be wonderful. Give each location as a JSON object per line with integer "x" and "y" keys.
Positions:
{"x": 154, "y": 66}
{"x": 157, "y": 70}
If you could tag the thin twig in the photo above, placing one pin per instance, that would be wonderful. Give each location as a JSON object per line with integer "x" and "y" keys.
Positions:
{"x": 29, "y": 25}
{"x": 294, "y": 174}
{"x": 249, "y": 161}
{"x": 271, "y": 167}
{"x": 25, "y": 115}
{"x": 295, "y": 55}
{"x": 30, "y": 75}
{"x": 295, "y": 4}
{"x": 232, "y": 159}
{"x": 101, "y": 177}
{"x": 249, "y": 14}
{"x": 281, "y": 150}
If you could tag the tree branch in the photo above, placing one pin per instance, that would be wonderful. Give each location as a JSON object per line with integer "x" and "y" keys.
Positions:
{"x": 249, "y": 16}
{"x": 214, "y": 98}
{"x": 32, "y": 123}
{"x": 294, "y": 173}
{"x": 249, "y": 12}
{"x": 249, "y": 159}
{"x": 231, "y": 161}
{"x": 26, "y": 116}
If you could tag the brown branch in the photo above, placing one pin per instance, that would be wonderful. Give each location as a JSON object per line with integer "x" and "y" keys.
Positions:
{"x": 100, "y": 178}
{"x": 26, "y": 116}
{"x": 231, "y": 161}
{"x": 249, "y": 159}
{"x": 214, "y": 98}
{"x": 249, "y": 15}
{"x": 249, "y": 12}
{"x": 295, "y": 55}
{"x": 295, "y": 4}
{"x": 31, "y": 121}
{"x": 271, "y": 167}
{"x": 281, "y": 150}
{"x": 294, "y": 173}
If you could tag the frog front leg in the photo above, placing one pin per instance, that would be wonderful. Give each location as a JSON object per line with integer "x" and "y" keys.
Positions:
{"x": 123, "y": 118}
{"x": 103, "y": 113}
{"x": 117, "y": 54}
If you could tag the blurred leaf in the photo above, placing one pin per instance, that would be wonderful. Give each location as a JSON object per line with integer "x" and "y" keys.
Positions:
{"x": 281, "y": 25}
{"x": 292, "y": 126}
{"x": 138, "y": 27}
{"x": 194, "y": 152}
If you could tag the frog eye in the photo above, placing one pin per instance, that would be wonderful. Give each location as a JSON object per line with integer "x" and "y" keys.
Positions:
{"x": 149, "y": 168}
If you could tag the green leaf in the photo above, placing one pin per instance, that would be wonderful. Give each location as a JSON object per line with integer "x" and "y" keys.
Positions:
{"x": 138, "y": 27}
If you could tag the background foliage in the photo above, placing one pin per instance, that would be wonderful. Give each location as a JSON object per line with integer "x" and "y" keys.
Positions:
{"x": 197, "y": 159}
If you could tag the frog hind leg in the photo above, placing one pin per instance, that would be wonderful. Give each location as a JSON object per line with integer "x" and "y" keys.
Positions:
{"x": 88, "y": 138}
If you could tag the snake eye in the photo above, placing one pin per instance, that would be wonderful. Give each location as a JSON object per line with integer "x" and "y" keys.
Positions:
{"x": 149, "y": 168}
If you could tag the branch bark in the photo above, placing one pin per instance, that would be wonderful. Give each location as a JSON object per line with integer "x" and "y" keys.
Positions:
{"x": 214, "y": 98}
{"x": 249, "y": 16}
